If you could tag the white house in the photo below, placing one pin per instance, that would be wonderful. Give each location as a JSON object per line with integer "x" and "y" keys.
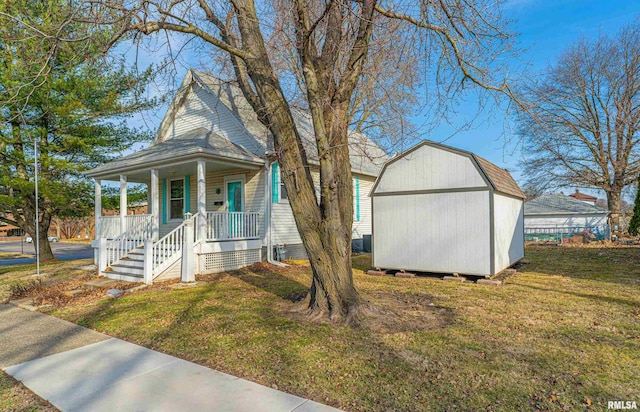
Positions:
{"x": 444, "y": 210}
{"x": 551, "y": 217}
{"x": 216, "y": 200}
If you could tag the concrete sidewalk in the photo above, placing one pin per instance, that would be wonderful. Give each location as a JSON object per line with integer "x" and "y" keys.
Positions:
{"x": 77, "y": 369}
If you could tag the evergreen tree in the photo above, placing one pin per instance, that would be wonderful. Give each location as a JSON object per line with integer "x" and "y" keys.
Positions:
{"x": 68, "y": 97}
{"x": 634, "y": 225}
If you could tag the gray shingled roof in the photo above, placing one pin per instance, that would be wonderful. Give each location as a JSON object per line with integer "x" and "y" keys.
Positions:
{"x": 366, "y": 156}
{"x": 501, "y": 178}
{"x": 196, "y": 142}
{"x": 557, "y": 204}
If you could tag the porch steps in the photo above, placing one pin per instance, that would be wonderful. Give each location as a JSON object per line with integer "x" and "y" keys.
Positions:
{"x": 130, "y": 267}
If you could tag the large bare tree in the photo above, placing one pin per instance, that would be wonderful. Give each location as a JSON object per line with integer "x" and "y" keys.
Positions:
{"x": 581, "y": 120}
{"x": 328, "y": 44}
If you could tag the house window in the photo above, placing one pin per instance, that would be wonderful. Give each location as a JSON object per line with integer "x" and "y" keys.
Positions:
{"x": 278, "y": 191}
{"x": 176, "y": 199}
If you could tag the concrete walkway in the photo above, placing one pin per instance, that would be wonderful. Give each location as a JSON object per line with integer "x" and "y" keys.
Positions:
{"x": 77, "y": 369}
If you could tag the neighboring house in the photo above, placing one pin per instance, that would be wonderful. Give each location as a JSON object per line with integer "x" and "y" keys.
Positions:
{"x": 556, "y": 216}
{"x": 444, "y": 210}
{"x": 591, "y": 200}
{"x": 212, "y": 158}
{"x": 9, "y": 232}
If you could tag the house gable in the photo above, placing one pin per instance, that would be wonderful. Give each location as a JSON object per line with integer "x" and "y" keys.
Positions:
{"x": 200, "y": 108}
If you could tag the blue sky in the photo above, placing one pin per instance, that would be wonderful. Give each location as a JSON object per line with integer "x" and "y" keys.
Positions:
{"x": 545, "y": 28}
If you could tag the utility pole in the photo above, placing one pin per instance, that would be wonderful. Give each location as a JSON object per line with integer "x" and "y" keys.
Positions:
{"x": 35, "y": 148}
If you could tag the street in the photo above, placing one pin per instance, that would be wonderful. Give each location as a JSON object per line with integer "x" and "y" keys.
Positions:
{"x": 61, "y": 250}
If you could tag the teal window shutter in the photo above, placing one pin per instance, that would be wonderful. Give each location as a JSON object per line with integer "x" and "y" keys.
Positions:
{"x": 357, "y": 203}
{"x": 275, "y": 182}
{"x": 187, "y": 194}
{"x": 163, "y": 207}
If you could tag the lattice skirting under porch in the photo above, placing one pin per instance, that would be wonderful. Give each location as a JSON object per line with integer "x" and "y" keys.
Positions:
{"x": 232, "y": 260}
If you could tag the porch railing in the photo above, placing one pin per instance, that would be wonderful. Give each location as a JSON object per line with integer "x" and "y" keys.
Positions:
{"x": 110, "y": 225}
{"x": 233, "y": 225}
{"x": 119, "y": 247}
{"x": 168, "y": 250}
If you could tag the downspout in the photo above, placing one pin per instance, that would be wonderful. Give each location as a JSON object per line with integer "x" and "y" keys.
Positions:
{"x": 267, "y": 196}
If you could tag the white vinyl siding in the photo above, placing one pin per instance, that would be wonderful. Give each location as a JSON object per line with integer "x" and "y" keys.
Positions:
{"x": 508, "y": 231}
{"x": 429, "y": 168}
{"x": 202, "y": 109}
{"x": 577, "y": 220}
{"x": 363, "y": 226}
{"x": 283, "y": 225}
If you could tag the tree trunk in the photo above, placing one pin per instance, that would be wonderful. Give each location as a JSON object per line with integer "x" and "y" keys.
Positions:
{"x": 325, "y": 228}
{"x": 46, "y": 254}
{"x": 613, "y": 204}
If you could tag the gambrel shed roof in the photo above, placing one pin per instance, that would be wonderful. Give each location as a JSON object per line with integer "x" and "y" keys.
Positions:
{"x": 479, "y": 171}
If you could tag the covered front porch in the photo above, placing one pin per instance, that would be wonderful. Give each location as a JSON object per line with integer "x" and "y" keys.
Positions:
{"x": 220, "y": 205}
{"x": 205, "y": 214}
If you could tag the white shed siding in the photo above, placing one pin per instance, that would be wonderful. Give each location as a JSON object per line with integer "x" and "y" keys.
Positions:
{"x": 508, "y": 231}
{"x": 430, "y": 168}
{"x": 202, "y": 109}
{"x": 443, "y": 232}
{"x": 551, "y": 221}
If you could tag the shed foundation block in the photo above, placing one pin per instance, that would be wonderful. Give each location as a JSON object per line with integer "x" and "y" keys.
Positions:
{"x": 489, "y": 282}
{"x": 376, "y": 273}
{"x": 455, "y": 278}
{"x": 405, "y": 275}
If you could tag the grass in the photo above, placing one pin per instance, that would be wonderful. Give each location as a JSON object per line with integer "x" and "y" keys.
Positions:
{"x": 564, "y": 334}
{"x": 15, "y": 397}
{"x": 52, "y": 272}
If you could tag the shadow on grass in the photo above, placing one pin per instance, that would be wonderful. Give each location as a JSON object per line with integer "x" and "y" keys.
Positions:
{"x": 272, "y": 282}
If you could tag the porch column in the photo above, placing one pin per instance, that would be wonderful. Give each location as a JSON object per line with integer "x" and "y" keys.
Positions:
{"x": 97, "y": 211}
{"x": 155, "y": 205}
{"x": 123, "y": 203}
{"x": 202, "y": 201}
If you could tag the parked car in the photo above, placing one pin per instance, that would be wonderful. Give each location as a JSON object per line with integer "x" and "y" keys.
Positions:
{"x": 53, "y": 239}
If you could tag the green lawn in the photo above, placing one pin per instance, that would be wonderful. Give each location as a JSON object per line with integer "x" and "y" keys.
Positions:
{"x": 563, "y": 334}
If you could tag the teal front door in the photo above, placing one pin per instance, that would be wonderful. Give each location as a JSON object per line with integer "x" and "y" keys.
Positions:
{"x": 234, "y": 196}
{"x": 234, "y": 202}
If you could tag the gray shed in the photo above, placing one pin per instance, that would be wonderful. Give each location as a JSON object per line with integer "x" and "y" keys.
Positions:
{"x": 444, "y": 210}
